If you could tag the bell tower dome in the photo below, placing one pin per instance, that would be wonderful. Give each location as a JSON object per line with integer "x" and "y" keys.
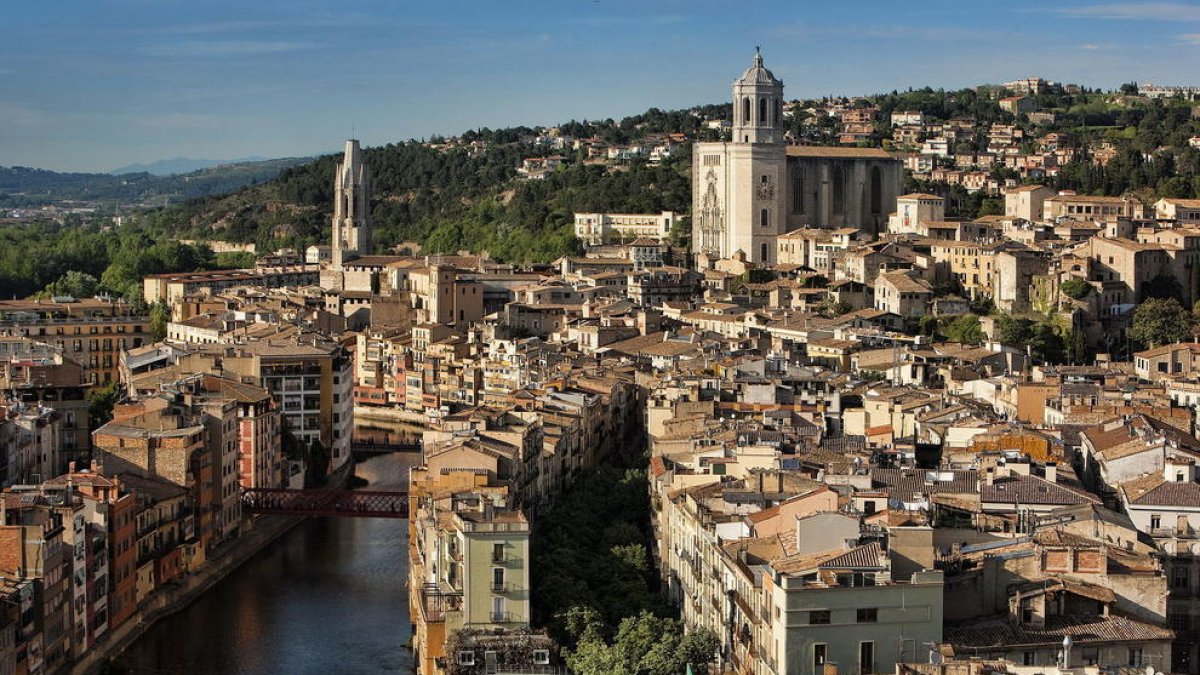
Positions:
{"x": 757, "y": 105}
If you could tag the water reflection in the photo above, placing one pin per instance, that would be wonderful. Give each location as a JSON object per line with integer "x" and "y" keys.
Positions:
{"x": 328, "y": 597}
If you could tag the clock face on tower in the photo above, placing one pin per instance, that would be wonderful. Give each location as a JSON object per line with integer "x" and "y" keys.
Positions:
{"x": 765, "y": 190}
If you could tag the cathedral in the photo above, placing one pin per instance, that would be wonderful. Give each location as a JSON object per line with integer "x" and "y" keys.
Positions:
{"x": 754, "y": 187}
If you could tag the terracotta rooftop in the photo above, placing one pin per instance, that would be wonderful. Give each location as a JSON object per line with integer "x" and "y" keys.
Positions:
{"x": 1005, "y": 633}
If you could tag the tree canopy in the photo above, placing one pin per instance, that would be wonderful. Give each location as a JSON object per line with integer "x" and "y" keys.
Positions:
{"x": 1160, "y": 321}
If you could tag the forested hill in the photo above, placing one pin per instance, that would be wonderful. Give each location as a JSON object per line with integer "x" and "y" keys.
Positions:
{"x": 446, "y": 199}
{"x": 24, "y": 187}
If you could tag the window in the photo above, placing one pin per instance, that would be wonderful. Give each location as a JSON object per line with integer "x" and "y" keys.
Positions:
{"x": 839, "y": 190}
{"x": 876, "y": 191}
{"x": 1135, "y": 657}
{"x": 1029, "y": 658}
{"x": 764, "y": 218}
{"x": 541, "y": 657}
{"x": 1155, "y": 522}
{"x": 762, "y": 111}
{"x": 868, "y": 615}
{"x": 818, "y": 617}
{"x": 1180, "y": 578}
{"x": 819, "y": 654}
{"x": 466, "y": 658}
{"x": 498, "y": 552}
{"x": 498, "y": 579}
{"x": 745, "y": 110}
{"x": 797, "y": 190}
{"x": 498, "y": 610}
{"x": 866, "y": 657}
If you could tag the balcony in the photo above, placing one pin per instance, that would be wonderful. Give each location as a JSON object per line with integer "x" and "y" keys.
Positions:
{"x": 500, "y": 587}
{"x": 435, "y": 603}
{"x": 501, "y": 617}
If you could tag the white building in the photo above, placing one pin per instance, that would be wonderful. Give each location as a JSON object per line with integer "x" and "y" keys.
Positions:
{"x": 594, "y": 229}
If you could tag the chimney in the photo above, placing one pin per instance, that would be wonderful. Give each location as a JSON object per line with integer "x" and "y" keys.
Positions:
{"x": 1051, "y": 472}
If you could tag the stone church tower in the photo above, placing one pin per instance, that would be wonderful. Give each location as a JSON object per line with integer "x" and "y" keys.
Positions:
{"x": 351, "y": 207}
{"x": 738, "y": 187}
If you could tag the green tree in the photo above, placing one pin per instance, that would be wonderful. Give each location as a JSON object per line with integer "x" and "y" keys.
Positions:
{"x": 1077, "y": 289}
{"x": 160, "y": 316}
{"x": 645, "y": 644}
{"x": 1160, "y": 321}
{"x": 101, "y": 401}
{"x": 965, "y": 329}
{"x": 75, "y": 284}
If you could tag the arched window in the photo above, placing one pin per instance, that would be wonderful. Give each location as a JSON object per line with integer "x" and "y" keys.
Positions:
{"x": 762, "y": 111}
{"x": 746, "y": 119}
{"x": 764, "y": 218}
{"x": 839, "y": 190}
{"x": 797, "y": 190}
{"x": 763, "y": 257}
{"x": 876, "y": 191}
{"x": 778, "y": 115}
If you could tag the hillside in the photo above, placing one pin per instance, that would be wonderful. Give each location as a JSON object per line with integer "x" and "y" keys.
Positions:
{"x": 447, "y": 199}
{"x": 178, "y": 165}
{"x": 24, "y": 186}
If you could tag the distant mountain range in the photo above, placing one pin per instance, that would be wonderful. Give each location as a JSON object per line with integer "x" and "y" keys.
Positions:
{"x": 26, "y": 187}
{"x": 170, "y": 167}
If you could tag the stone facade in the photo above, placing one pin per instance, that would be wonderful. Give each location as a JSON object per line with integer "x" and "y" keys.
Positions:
{"x": 749, "y": 190}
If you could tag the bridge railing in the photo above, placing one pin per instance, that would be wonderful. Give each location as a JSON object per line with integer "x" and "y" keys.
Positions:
{"x": 363, "y": 503}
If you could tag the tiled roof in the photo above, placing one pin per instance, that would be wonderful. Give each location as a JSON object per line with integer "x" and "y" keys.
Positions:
{"x": 911, "y": 481}
{"x": 1031, "y": 490}
{"x": 1168, "y": 493}
{"x": 837, "y": 152}
{"x": 1005, "y": 633}
{"x": 861, "y": 557}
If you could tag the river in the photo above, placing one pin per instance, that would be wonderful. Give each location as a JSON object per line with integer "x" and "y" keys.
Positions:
{"x": 327, "y": 597}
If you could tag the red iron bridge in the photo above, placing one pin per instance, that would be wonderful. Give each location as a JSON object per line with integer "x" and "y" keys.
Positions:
{"x": 360, "y": 503}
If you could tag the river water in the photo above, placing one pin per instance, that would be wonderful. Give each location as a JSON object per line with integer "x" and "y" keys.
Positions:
{"x": 327, "y": 597}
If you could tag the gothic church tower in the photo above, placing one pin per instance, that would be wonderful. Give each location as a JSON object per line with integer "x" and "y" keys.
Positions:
{"x": 351, "y": 206}
{"x": 738, "y": 186}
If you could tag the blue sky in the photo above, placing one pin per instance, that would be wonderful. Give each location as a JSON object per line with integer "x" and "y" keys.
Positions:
{"x": 95, "y": 84}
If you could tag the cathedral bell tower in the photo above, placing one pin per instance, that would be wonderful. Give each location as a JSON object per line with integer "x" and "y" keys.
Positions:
{"x": 351, "y": 206}
{"x": 738, "y": 186}
{"x": 757, "y": 105}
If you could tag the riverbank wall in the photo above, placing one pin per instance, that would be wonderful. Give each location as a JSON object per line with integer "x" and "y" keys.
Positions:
{"x": 172, "y": 598}
{"x": 262, "y": 531}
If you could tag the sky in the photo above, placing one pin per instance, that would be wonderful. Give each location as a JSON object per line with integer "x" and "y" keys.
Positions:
{"x": 90, "y": 85}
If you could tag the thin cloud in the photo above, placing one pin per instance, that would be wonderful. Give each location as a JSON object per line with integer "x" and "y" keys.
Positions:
{"x": 180, "y": 121}
{"x": 17, "y": 115}
{"x": 1188, "y": 38}
{"x": 224, "y": 48}
{"x": 1136, "y": 11}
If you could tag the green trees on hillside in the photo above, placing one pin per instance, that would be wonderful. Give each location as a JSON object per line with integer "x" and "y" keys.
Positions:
{"x": 68, "y": 259}
{"x": 448, "y": 200}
